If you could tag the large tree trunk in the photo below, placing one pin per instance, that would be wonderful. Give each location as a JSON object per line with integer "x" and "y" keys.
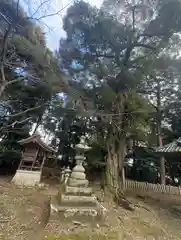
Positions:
{"x": 112, "y": 168}
{"x": 159, "y": 133}
{"x": 116, "y": 147}
{"x": 109, "y": 171}
{"x": 115, "y": 165}
{"x": 162, "y": 159}
{"x": 122, "y": 153}
{"x": 2, "y": 88}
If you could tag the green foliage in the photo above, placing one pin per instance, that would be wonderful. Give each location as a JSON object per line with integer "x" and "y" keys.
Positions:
{"x": 26, "y": 49}
{"x": 34, "y": 34}
{"x": 32, "y": 88}
{"x": 9, "y": 147}
{"x": 97, "y": 46}
{"x": 10, "y": 159}
{"x": 95, "y": 157}
{"x": 67, "y": 128}
{"x": 34, "y": 52}
{"x": 120, "y": 64}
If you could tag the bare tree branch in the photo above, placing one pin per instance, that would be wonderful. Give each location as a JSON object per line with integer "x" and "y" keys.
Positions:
{"x": 144, "y": 46}
{"x": 14, "y": 123}
{"x": 3, "y": 80}
{"x": 4, "y": 47}
{"x": 133, "y": 17}
{"x": 38, "y": 8}
{"x": 18, "y": 8}
{"x": 5, "y": 18}
{"x": 19, "y": 79}
{"x": 56, "y": 13}
{"x": 26, "y": 111}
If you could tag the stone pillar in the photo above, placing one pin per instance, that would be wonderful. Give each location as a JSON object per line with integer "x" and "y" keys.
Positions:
{"x": 67, "y": 174}
{"x": 62, "y": 176}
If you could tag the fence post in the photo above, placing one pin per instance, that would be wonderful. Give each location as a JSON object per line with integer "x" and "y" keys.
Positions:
{"x": 162, "y": 188}
{"x": 165, "y": 190}
{"x": 179, "y": 190}
{"x": 169, "y": 188}
{"x": 145, "y": 186}
{"x": 123, "y": 179}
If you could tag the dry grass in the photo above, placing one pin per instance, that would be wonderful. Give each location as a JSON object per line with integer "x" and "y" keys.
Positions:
{"x": 24, "y": 214}
{"x": 86, "y": 235}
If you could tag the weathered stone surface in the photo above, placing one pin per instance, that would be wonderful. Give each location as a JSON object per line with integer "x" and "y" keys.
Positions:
{"x": 26, "y": 178}
{"x": 75, "y": 202}
{"x": 83, "y": 191}
{"x": 77, "y": 182}
{"x": 79, "y": 213}
{"x": 68, "y": 200}
{"x": 78, "y": 175}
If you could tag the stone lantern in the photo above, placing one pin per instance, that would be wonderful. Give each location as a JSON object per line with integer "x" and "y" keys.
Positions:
{"x": 76, "y": 201}
{"x": 78, "y": 177}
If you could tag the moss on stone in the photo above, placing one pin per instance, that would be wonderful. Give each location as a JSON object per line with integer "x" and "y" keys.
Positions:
{"x": 59, "y": 196}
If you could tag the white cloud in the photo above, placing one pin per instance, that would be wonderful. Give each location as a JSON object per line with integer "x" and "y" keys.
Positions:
{"x": 53, "y": 24}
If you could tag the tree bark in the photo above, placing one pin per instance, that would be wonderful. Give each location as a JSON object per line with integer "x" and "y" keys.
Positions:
{"x": 159, "y": 133}
{"x": 115, "y": 165}
{"x": 109, "y": 174}
{"x": 112, "y": 168}
{"x": 121, "y": 153}
{"x": 116, "y": 147}
{"x": 2, "y": 88}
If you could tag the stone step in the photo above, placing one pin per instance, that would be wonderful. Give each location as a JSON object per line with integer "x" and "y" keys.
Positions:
{"x": 69, "y": 200}
{"x": 78, "y": 198}
{"x": 83, "y": 191}
{"x": 83, "y": 209}
{"x": 78, "y": 204}
{"x": 79, "y": 213}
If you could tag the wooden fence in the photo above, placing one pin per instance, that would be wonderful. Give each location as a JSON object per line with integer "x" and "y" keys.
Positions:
{"x": 150, "y": 187}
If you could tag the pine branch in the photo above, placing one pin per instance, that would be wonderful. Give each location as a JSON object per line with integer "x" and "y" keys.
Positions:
{"x": 145, "y": 46}
{"x": 16, "y": 80}
{"x": 14, "y": 123}
{"x": 26, "y": 111}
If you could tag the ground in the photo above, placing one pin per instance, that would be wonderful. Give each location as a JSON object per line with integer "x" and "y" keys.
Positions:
{"x": 24, "y": 214}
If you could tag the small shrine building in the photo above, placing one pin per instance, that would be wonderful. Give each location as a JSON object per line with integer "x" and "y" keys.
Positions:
{"x": 172, "y": 154}
{"x": 34, "y": 155}
{"x": 173, "y": 147}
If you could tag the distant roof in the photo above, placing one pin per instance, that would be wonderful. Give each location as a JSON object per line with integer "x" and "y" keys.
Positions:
{"x": 35, "y": 138}
{"x": 174, "y": 146}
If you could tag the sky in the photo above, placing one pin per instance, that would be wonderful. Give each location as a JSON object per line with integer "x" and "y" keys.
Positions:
{"x": 52, "y": 25}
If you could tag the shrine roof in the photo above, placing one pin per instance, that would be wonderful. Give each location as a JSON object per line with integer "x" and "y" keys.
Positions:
{"x": 172, "y": 147}
{"x": 35, "y": 138}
